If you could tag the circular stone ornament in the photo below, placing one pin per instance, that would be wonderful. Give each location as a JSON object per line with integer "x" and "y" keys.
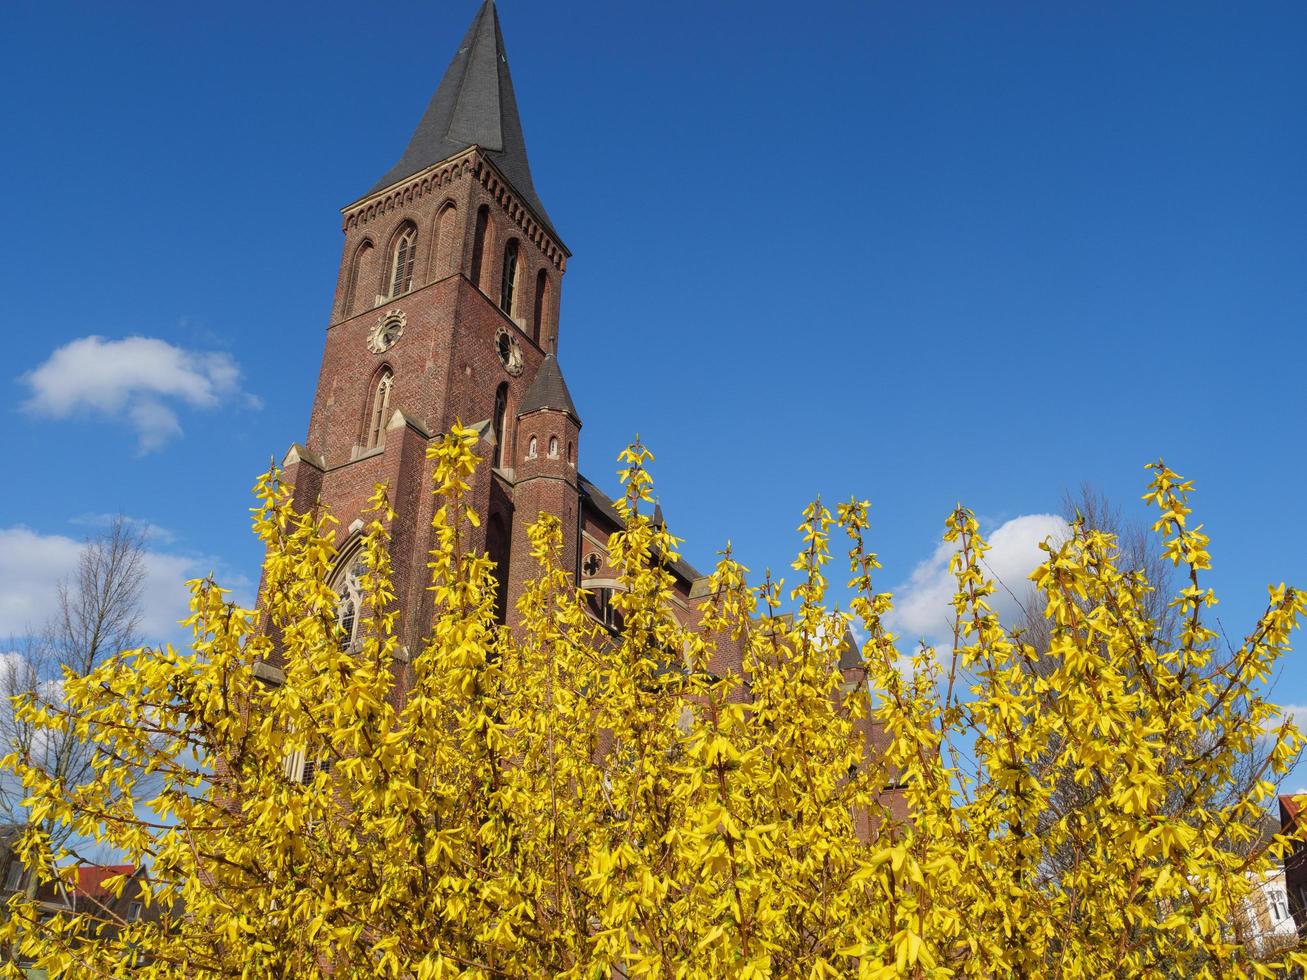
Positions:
{"x": 509, "y": 351}
{"x": 387, "y": 331}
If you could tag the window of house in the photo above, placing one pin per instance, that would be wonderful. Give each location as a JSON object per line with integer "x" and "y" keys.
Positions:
{"x": 1279, "y": 906}
{"x": 15, "y": 875}
{"x": 531, "y": 448}
{"x": 133, "y": 911}
{"x": 379, "y": 412}
{"x": 553, "y": 447}
{"x": 508, "y": 283}
{"x": 401, "y": 261}
{"x": 302, "y": 767}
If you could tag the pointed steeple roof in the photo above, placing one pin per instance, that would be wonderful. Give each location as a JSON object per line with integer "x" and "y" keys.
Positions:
{"x": 474, "y": 105}
{"x": 548, "y": 390}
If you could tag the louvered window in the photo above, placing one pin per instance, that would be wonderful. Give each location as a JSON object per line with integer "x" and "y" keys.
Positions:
{"x": 401, "y": 267}
{"x": 378, "y": 416}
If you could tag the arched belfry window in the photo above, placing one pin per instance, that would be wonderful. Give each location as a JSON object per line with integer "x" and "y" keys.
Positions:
{"x": 508, "y": 282}
{"x": 361, "y": 255}
{"x": 402, "y": 255}
{"x": 499, "y": 420}
{"x": 538, "y": 314}
{"x": 480, "y": 238}
{"x": 445, "y": 261}
{"x": 379, "y": 408}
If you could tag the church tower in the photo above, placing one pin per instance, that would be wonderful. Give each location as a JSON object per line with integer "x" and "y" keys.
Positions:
{"x": 446, "y": 308}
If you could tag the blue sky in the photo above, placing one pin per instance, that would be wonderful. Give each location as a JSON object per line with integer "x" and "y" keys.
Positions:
{"x": 921, "y": 253}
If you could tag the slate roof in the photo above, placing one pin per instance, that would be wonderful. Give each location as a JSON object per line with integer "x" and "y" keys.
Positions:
{"x": 850, "y": 655}
{"x": 604, "y": 505}
{"x": 474, "y": 105}
{"x": 548, "y": 390}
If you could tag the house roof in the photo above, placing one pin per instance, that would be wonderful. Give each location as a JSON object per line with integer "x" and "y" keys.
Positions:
{"x": 91, "y": 879}
{"x": 548, "y": 390}
{"x": 1291, "y": 806}
{"x": 474, "y": 105}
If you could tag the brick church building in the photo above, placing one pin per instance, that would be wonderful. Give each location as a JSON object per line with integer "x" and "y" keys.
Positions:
{"x": 446, "y": 309}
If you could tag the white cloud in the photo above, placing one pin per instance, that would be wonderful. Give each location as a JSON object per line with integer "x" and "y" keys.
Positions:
{"x": 137, "y": 379}
{"x": 32, "y": 564}
{"x": 923, "y": 604}
{"x": 1297, "y": 713}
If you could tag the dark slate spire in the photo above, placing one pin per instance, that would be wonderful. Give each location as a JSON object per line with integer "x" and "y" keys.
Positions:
{"x": 473, "y": 105}
{"x": 850, "y": 655}
{"x": 548, "y": 390}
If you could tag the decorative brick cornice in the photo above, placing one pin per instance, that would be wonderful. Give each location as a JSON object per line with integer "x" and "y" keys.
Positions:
{"x": 502, "y": 191}
{"x": 442, "y": 174}
{"x": 405, "y": 192}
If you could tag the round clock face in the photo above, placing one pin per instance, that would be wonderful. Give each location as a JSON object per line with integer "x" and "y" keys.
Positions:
{"x": 509, "y": 351}
{"x": 386, "y": 332}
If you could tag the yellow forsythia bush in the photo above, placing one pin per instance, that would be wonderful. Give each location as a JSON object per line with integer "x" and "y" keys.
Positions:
{"x": 558, "y": 801}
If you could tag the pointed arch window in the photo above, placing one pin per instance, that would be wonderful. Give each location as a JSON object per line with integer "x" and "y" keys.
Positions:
{"x": 508, "y": 282}
{"x": 538, "y": 314}
{"x": 479, "y": 240}
{"x": 499, "y": 551}
{"x": 347, "y": 583}
{"x": 379, "y": 409}
{"x": 402, "y": 256}
{"x": 500, "y": 419}
{"x": 445, "y": 261}
{"x": 361, "y": 255}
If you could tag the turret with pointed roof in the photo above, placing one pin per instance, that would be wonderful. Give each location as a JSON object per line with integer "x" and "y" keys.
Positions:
{"x": 474, "y": 105}
{"x": 549, "y": 391}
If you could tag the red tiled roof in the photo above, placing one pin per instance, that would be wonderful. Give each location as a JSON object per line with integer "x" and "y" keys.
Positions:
{"x": 91, "y": 877}
{"x": 1291, "y": 806}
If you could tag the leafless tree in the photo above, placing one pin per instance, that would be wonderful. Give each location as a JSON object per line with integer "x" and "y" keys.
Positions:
{"x": 1139, "y": 550}
{"x": 97, "y": 614}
